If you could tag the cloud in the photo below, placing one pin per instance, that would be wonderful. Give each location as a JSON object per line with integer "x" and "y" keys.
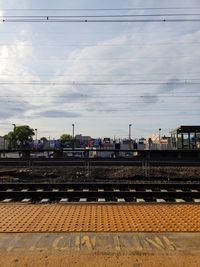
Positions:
{"x": 8, "y": 110}
{"x": 57, "y": 114}
{"x": 147, "y": 52}
{"x": 125, "y": 58}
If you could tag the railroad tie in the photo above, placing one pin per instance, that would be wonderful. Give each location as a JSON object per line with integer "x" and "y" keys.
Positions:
{"x": 83, "y": 200}
{"x": 179, "y": 200}
{"x": 140, "y": 200}
{"x": 160, "y": 200}
{"x": 64, "y": 200}
{"x": 44, "y": 200}
{"x": 101, "y": 200}
{"x": 26, "y": 200}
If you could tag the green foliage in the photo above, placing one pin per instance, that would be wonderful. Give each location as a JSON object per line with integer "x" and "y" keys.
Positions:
{"x": 24, "y": 133}
{"x": 44, "y": 139}
{"x": 66, "y": 137}
{"x": 10, "y": 138}
{"x": 20, "y": 135}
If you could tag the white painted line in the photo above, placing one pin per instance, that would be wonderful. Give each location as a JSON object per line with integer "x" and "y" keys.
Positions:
{"x": 70, "y": 190}
{"x": 101, "y": 200}
{"x": 160, "y": 200}
{"x": 148, "y": 190}
{"x": 179, "y": 200}
{"x": 64, "y": 200}
{"x": 179, "y": 190}
{"x": 197, "y": 200}
{"x": 39, "y": 190}
{"x": 100, "y": 190}
{"x": 24, "y": 190}
{"x": 120, "y": 200}
{"x": 55, "y": 189}
{"x": 83, "y": 200}
{"x": 140, "y": 200}
{"x": 85, "y": 190}
{"x": 194, "y": 190}
{"x": 9, "y": 190}
{"x": 132, "y": 190}
{"x": 116, "y": 190}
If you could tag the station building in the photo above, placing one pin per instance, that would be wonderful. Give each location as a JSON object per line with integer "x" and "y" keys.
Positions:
{"x": 186, "y": 137}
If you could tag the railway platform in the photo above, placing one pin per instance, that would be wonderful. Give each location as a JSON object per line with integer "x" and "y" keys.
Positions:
{"x": 96, "y": 235}
{"x": 93, "y": 235}
{"x": 99, "y": 249}
{"x": 20, "y": 218}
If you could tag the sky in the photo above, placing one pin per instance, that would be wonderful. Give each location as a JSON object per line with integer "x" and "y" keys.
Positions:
{"x": 101, "y": 77}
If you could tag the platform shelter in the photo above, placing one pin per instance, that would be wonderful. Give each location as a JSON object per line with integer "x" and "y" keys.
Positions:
{"x": 186, "y": 137}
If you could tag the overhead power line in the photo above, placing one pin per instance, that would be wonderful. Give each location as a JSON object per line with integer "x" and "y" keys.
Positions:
{"x": 98, "y": 16}
{"x": 101, "y": 83}
{"x": 108, "y": 75}
{"x": 60, "y": 19}
{"x": 102, "y": 44}
{"x": 134, "y": 59}
{"x": 104, "y": 9}
{"x": 104, "y": 96}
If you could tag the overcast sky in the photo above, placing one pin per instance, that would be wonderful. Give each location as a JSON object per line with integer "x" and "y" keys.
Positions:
{"x": 163, "y": 55}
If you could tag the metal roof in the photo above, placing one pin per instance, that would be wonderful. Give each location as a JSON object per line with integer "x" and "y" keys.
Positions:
{"x": 187, "y": 129}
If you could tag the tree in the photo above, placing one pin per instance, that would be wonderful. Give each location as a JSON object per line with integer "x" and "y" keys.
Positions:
{"x": 10, "y": 138}
{"x": 66, "y": 140}
{"x": 44, "y": 139}
{"x": 20, "y": 135}
{"x": 66, "y": 137}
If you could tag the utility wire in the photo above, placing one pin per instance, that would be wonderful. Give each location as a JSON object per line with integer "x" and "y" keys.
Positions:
{"x": 98, "y": 16}
{"x": 103, "y": 9}
{"x": 133, "y": 59}
{"x": 86, "y": 20}
{"x": 112, "y": 75}
{"x": 100, "y": 96}
{"x": 98, "y": 83}
{"x": 102, "y": 44}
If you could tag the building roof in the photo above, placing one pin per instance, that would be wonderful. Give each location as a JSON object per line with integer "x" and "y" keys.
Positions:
{"x": 187, "y": 129}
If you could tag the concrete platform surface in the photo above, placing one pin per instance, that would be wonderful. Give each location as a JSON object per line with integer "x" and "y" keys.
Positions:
{"x": 100, "y": 249}
{"x": 18, "y": 218}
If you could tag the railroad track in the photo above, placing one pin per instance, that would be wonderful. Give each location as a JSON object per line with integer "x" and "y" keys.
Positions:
{"x": 172, "y": 192}
{"x": 52, "y": 162}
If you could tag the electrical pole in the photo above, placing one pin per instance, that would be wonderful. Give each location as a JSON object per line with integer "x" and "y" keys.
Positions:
{"x": 129, "y": 135}
{"x": 14, "y": 143}
{"x": 159, "y": 134}
{"x": 36, "y": 134}
{"x": 129, "y": 132}
{"x": 73, "y": 134}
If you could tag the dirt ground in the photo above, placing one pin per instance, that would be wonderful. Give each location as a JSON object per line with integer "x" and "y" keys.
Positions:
{"x": 59, "y": 259}
{"x": 66, "y": 174}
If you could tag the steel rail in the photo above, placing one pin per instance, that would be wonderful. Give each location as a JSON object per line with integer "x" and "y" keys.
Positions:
{"x": 104, "y": 185}
{"x": 56, "y": 195}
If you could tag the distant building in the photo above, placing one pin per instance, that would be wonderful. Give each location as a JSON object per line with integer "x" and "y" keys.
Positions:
{"x": 3, "y": 143}
{"x": 83, "y": 140}
{"x": 157, "y": 142}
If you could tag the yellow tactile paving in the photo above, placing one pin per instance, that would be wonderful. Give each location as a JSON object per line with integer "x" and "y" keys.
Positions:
{"x": 105, "y": 218}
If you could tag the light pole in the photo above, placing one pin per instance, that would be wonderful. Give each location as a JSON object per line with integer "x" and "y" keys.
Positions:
{"x": 73, "y": 134}
{"x": 129, "y": 132}
{"x": 36, "y": 134}
{"x": 73, "y": 130}
{"x": 4, "y": 146}
{"x": 14, "y": 139}
{"x": 129, "y": 135}
{"x": 159, "y": 134}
